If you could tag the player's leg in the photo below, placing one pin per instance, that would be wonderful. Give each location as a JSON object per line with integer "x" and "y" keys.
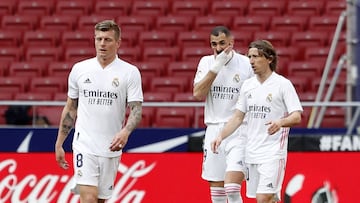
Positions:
{"x": 86, "y": 174}
{"x": 270, "y": 182}
{"x": 214, "y": 166}
{"x": 108, "y": 171}
{"x": 235, "y": 170}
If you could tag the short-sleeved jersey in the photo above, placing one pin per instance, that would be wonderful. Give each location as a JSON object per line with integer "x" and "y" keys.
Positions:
{"x": 102, "y": 95}
{"x": 221, "y": 99}
{"x": 275, "y": 98}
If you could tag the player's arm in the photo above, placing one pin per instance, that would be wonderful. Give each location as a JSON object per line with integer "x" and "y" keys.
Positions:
{"x": 68, "y": 117}
{"x": 230, "y": 127}
{"x": 202, "y": 88}
{"x": 132, "y": 122}
{"x": 134, "y": 116}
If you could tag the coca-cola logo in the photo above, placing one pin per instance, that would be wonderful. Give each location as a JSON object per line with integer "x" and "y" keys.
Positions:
{"x": 33, "y": 188}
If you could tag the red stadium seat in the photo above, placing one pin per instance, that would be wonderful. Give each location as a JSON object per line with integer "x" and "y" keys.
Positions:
{"x": 195, "y": 53}
{"x": 169, "y": 84}
{"x": 35, "y": 7}
{"x": 182, "y": 68}
{"x": 148, "y": 115}
{"x": 151, "y": 8}
{"x": 231, "y": 8}
{"x": 13, "y": 84}
{"x": 10, "y": 54}
{"x": 73, "y": 8}
{"x": 135, "y": 23}
{"x": 60, "y": 96}
{"x": 340, "y": 86}
{"x": 189, "y": 8}
{"x": 326, "y": 23}
{"x": 307, "y": 96}
{"x": 300, "y": 84}
{"x": 48, "y": 84}
{"x": 174, "y": 23}
{"x": 46, "y": 54}
{"x": 306, "y": 8}
{"x": 7, "y": 7}
{"x": 174, "y": 117}
{"x": 250, "y": 23}
{"x": 158, "y": 96}
{"x": 58, "y": 22}
{"x": 207, "y": 23}
{"x": 87, "y": 23}
{"x": 161, "y": 54}
{"x": 59, "y": 68}
{"x": 334, "y": 7}
{"x": 10, "y": 38}
{"x": 193, "y": 39}
{"x": 334, "y": 117}
{"x": 150, "y": 69}
{"x": 184, "y": 97}
{"x": 52, "y": 113}
{"x": 6, "y": 96}
{"x": 28, "y": 69}
{"x": 19, "y": 22}
{"x": 33, "y": 96}
{"x": 4, "y": 68}
{"x": 76, "y": 54}
{"x": 41, "y": 38}
{"x": 242, "y": 38}
{"x": 289, "y": 23}
{"x": 129, "y": 38}
{"x": 288, "y": 53}
{"x": 320, "y": 53}
{"x": 79, "y": 38}
{"x": 112, "y": 7}
{"x": 156, "y": 38}
{"x": 269, "y": 8}
{"x": 307, "y": 69}
{"x": 277, "y": 38}
{"x": 309, "y": 38}
{"x": 129, "y": 54}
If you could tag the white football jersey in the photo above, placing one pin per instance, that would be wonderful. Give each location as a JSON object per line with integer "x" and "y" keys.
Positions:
{"x": 224, "y": 92}
{"x": 102, "y": 95}
{"x": 274, "y": 99}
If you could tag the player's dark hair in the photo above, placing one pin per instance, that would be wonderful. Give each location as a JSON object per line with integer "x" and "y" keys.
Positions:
{"x": 108, "y": 25}
{"x": 267, "y": 50}
{"x": 216, "y": 31}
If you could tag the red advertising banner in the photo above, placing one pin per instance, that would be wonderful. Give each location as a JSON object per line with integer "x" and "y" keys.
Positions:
{"x": 175, "y": 178}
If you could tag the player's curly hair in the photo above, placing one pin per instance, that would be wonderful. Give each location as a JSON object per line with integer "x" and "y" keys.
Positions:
{"x": 267, "y": 50}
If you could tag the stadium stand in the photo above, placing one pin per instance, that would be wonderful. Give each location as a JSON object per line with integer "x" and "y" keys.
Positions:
{"x": 165, "y": 40}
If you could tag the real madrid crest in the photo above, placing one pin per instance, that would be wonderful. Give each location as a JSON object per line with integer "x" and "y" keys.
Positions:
{"x": 269, "y": 98}
{"x": 236, "y": 78}
{"x": 115, "y": 82}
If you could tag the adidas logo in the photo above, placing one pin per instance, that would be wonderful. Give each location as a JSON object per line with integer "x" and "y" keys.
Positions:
{"x": 270, "y": 185}
{"x": 111, "y": 188}
{"x": 87, "y": 81}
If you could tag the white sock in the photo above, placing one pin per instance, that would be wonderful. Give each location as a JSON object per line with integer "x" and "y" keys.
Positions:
{"x": 218, "y": 194}
{"x": 233, "y": 192}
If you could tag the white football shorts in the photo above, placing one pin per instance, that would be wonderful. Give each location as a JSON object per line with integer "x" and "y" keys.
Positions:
{"x": 95, "y": 171}
{"x": 230, "y": 156}
{"x": 265, "y": 178}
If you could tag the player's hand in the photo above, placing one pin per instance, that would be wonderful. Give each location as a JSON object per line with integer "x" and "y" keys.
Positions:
{"x": 222, "y": 59}
{"x": 60, "y": 158}
{"x": 274, "y": 126}
{"x": 119, "y": 141}
{"x": 215, "y": 144}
